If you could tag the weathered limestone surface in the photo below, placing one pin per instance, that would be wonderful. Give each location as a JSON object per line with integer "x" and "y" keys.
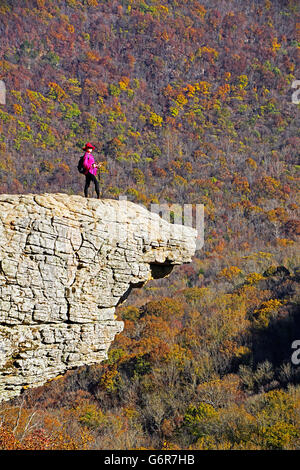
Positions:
{"x": 66, "y": 262}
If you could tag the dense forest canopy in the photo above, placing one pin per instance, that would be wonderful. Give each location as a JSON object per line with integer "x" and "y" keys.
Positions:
{"x": 186, "y": 102}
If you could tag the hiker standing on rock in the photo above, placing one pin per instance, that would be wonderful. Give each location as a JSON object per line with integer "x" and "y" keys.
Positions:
{"x": 90, "y": 169}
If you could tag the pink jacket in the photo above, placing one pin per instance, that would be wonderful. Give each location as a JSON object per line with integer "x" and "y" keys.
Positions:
{"x": 88, "y": 161}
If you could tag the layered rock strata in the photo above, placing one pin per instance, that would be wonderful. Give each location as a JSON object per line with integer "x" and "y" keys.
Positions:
{"x": 66, "y": 262}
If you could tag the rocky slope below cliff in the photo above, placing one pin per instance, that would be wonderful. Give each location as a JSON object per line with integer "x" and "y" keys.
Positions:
{"x": 65, "y": 263}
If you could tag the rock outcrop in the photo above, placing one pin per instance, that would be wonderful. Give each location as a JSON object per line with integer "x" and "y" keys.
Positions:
{"x": 66, "y": 262}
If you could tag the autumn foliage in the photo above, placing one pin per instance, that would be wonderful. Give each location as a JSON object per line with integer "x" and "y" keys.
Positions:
{"x": 186, "y": 102}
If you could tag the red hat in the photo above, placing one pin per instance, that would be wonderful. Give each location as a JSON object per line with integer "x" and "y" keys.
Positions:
{"x": 88, "y": 146}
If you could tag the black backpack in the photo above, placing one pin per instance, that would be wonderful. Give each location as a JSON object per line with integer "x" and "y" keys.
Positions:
{"x": 80, "y": 166}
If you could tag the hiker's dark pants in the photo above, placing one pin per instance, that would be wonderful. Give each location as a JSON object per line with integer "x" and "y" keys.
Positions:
{"x": 88, "y": 178}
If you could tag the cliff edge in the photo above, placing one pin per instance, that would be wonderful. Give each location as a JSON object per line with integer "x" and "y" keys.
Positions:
{"x": 66, "y": 262}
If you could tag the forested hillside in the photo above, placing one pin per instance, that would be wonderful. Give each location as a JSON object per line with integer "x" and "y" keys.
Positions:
{"x": 186, "y": 102}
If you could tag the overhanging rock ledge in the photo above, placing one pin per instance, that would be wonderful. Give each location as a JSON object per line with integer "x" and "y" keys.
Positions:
{"x": 66, "y": 262}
